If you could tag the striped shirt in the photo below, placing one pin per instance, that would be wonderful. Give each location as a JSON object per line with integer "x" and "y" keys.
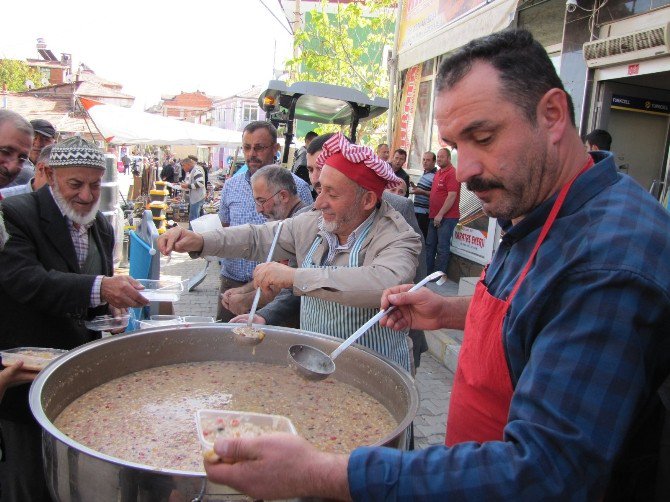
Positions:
{"x": 425, "y": 183}
{"x": 586, "y": 342}
{"x": 238, "y": 208}
{"x": 196, "y": 184}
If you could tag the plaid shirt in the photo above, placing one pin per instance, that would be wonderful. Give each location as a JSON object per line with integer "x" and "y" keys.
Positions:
{"x": 238, "y": 208}
{"x": 80, "y": 234}
{"x": 586, "y": 340}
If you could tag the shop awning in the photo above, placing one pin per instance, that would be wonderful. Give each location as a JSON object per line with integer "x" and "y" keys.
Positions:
{"x": 488, "y": 18}
{"x": 123, "y": 126}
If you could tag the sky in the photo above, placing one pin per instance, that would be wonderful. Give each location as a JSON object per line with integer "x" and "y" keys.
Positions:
{"x": 154, "y": 48}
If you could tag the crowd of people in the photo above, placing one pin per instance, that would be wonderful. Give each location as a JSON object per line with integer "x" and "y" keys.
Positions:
{"x": 556, "y": 394}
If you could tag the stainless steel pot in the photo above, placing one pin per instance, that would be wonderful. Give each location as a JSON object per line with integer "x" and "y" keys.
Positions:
{"x": 77, "y": 473}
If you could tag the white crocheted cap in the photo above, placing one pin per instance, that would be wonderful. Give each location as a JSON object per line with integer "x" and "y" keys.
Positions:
{"x": 76, "y": 152}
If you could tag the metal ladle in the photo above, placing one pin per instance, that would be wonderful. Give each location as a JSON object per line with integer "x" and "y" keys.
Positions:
{"x": 247, "y": 334}
{"x": 313, "y": 364}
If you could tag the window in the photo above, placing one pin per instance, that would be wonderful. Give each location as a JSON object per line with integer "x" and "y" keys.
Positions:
{"x": 249, "y": 112}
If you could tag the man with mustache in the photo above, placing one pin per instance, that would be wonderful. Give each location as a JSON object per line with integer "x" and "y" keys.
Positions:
{"x": 16, "y": 139}
{"x": 287, "y": 305}
{"x": 37, "y": 181}
{"x": 348, "y": 251}
{"x": 443, "y": 212}
{"x": 566, "y": 336}
{"x": 259, "y": 144}
{"x": 56, "y": 274}
{"x": 44, "y": 134}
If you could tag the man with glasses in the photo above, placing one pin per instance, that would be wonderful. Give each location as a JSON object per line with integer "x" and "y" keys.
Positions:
{"x": 259, "y": 144}
{"x": 16, "y": 138}
{"x": 276, "y": 198}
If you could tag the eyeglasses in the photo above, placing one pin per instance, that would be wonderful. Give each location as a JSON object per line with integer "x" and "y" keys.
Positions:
{"x": 255, "y": 148}
{"x": 260, "y": 202}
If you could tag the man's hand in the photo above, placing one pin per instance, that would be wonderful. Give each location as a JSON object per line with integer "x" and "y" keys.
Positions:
{"x": 244, "y": 318}
{"x": 238, "y": 300}
{"x": 114, "y": 312}
{"x": 437, "y": 221}
{"x": 180, "y": 240}
{"x": 421, "y": 309}
{"x": 273, "y": 276}
{"x": 122, "y": 291}
{"x": 14, "y": 375}
{"x": 184, "y": 185}
{"x": 279, "y": 466}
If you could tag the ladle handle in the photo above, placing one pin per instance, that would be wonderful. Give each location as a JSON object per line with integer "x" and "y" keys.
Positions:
{"x": 257, "y": 296}
{"x": 379, "y": 315}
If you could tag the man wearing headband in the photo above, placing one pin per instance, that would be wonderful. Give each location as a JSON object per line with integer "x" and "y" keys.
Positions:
{"x": 56, "y": 273}
{"x": 348, "y": 249}
{"x": 286, "y": 306}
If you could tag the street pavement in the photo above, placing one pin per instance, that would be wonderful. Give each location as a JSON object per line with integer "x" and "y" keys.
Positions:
{"x": 433, "y": 380}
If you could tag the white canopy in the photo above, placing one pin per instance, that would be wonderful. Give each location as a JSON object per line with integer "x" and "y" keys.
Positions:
{"x": 123, "y": 126}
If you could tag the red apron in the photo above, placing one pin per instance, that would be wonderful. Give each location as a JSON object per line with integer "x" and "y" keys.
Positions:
{"x": 482, "y": 390}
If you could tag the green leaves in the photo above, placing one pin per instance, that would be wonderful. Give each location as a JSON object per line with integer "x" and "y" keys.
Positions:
{"x": 347, "y": 47}
{"x": 14, "y": 74}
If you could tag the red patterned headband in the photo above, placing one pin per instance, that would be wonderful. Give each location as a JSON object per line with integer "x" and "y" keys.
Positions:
{"x": 358, "y": 163}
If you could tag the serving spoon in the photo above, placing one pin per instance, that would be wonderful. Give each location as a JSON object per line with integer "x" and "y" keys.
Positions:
{"x": 314, "y": 364}
{"x": 247, "y": 334}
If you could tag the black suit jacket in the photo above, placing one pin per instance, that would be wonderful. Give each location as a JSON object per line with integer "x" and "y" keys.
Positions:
{"x": 44, "y": 297}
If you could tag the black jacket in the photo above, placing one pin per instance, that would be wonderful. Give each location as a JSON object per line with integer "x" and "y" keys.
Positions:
{"x": 44, "y": 298}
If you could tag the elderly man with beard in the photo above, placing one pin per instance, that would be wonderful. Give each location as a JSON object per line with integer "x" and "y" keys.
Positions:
{"x": 285, "y": 306}
{"x": 276, "y": 198}
{"x": 351, "y": 248}
{"x": 56, "y": 273}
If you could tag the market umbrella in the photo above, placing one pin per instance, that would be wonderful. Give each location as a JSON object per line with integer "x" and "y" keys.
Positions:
{"x": 123, "y": 126}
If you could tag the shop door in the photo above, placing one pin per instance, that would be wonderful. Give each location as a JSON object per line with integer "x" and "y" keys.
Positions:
{"x": 639, "y": 144}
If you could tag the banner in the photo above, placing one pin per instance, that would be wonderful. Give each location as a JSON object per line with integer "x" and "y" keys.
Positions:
{"x": 402, "y": 136}
{"x": 421, "y": 18}
{"x": 431, "y": 28}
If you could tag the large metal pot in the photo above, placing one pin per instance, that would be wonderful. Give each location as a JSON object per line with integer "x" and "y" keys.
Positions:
{"x": 77, "y": 473}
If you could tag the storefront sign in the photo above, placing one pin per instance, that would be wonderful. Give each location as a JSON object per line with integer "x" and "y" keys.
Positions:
{"x": 422, "y": 18}
{"x": 640, "y": 105}
{"x": 431, "y": 28}
{"x": 473, "y": 244}
{"x": 403, "y": 131}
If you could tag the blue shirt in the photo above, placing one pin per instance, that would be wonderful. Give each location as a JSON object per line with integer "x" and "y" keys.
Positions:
{"x": 238, "y": 208}
{"x": 586, "y": 340}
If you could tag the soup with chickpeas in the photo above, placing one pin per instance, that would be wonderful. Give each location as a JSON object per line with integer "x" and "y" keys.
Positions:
{"x": 147, "y": 417}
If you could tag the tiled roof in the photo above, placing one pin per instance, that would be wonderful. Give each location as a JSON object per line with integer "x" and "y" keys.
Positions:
{"x": 95, "y": 79}
{"x": 55, "y": 109}
{"x": 94, "y": 89}
{"x": 196, "y": 100}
